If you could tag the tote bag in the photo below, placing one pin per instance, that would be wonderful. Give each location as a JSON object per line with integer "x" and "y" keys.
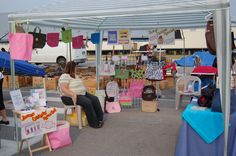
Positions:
{"x": 107, "y": 69}
{"x": 66, "y": 35}
{"x": 61, "y": 137}
{"x": 77, "y": 42}
{"x": 52, "y": 39}
{"x": 113, "y": 107}
{"x": 21, "y": 46}
{"x": 154, "y": 71}
{"x": 39, "y": 38}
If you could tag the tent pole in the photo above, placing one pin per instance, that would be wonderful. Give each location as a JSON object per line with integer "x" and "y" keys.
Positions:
{"x": 12, "y": 86}
{"x": 183, "y": 51}
{"x": 223, "y": 40}
{"x": 98, "y": 54}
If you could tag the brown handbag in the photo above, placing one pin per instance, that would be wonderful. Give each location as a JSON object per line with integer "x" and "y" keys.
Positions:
{"x": 210, "y": 37}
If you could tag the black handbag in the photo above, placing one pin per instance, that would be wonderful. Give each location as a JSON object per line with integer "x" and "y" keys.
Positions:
{"x": 149, "y": 93}
{"x": 39, "y": 38}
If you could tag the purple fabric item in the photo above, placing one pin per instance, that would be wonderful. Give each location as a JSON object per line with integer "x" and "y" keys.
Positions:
{"x": 189, "y": 143}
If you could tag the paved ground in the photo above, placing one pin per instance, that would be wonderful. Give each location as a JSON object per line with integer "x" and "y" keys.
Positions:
{"x": 129, "y": 133}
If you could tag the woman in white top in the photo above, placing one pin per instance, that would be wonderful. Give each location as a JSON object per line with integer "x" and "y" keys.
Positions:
{"x": 73, "y": 91}
{"x": 2, "y": 106}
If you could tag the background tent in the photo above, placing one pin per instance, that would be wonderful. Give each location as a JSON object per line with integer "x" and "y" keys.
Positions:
{"x": 21, "y": 67}
{"x": 188, "y": 61}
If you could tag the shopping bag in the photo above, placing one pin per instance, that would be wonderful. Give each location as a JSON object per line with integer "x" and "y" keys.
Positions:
{"x": 77, "y": 42}
{"x": 53, "y": 39}
{"x": 61, "y": 137}
{"x": 154, "y": 71}
{"x": 125, "y": 99}
{"x": 107, "y": 69}
{"x": 137, "y": 73}
{"x": 121, "y": 73}
{"x": 21, "y": 46}
{"x": 66, "y": 35}
{"x": 113, "y": 107}
{"x": 72, "y": 118}
{"x": 39, "y": 38}
{"x": 136, "y": 88}
{"x": 95, "y": 38}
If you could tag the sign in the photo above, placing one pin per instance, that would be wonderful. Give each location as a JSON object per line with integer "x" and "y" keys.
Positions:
{"x": 123, "y": 37}
{"x": 162, "y": 37}
{"x": 17, "y": 99}
{"x": 112, "y": 37}
{"x": 41, "y": 93}
{"x": 38, "y": 122}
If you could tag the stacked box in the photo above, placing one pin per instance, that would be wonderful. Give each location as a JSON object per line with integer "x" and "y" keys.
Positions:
{"x": 37, "y": 82}
{"x": 16, "y": 81}
{"x": 5, "y": 84}
{"x": 28, "y": 80}
{"x": 52, "y": 83}
{"x": 171, "y": 82}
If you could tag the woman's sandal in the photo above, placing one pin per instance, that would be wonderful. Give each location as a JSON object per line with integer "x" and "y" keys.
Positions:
{"x": 99, "y": 125}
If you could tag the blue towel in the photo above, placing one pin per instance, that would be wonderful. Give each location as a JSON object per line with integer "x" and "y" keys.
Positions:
{"x": 209, "y": 125}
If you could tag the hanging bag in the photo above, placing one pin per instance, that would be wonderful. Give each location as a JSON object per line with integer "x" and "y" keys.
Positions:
{"x": 122, "y": 72}
{"x": 113, "y": 107}
{"x": 107, "y": 69}
{"x": 154, "y": 71}
{"x": 21, "y": 46}
{"x": 66, "y": 35}
{"x": 77, "y": 42}
{"x": 39, "y": 38}
{"x": 149, "y": 93}
{"x": 52, "y": 39}
{"x": 136, "y": 88}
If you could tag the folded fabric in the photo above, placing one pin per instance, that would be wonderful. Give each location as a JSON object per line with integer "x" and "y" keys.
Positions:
{"x": 95, "y": 38}
{"x": 209, "y": 125}
{"x": 205, "y": 69}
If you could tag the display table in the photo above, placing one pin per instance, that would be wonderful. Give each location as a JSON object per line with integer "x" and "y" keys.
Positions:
{"x": 189, "y": 143}
{"x": 33, "y": 123}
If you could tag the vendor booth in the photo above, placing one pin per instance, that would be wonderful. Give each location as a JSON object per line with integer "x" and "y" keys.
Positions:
{"x": 102, "y": 15}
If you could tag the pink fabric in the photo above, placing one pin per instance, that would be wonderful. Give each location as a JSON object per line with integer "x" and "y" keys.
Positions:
{"x": 77, "y": 42}
{"x": 136, "y": 88}
{"x": 53, "y": 39}
{"x": 61, "y": 137}
{"x": 113, "y": 107}
{"x": 21, "y": 46}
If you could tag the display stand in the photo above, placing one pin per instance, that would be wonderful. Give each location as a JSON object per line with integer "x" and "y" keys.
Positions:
{"x": 45, "y": 141}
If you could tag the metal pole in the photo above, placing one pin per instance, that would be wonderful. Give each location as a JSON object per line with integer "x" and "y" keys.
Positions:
{"x": 223, "y": 38}
{"x": 98, "y": 58}
{"x": 70, "y": 50}
{"x": 183, "y": 50}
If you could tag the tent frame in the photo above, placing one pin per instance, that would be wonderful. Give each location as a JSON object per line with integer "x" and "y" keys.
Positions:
{"x": 221, "y": 17}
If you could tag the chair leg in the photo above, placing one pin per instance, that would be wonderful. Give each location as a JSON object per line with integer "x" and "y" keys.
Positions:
{"x": 79, "y": 116}
{"x": 177, "y": 101}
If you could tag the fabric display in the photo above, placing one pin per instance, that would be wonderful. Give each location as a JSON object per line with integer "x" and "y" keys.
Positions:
{"x": 107, "y": 69}
{"x": 66, "y": 35}
{"x": 21, "y": 46}
{"x": 61, "y": 137}
{"x": 77, "y": 42}
{"x": 52, "y": 39}
{"x": 154, "y": 71}
{"x": 113, "y": 107}
{"x": 136, "y": 88}
{"x": 95, "y": 38}
{"x": 125, "y": 99}
{"x": 39, "y": 38}
{"x": 122, "y": 73}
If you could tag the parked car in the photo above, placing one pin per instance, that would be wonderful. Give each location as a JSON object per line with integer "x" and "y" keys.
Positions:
{"x": 58, "y": 54}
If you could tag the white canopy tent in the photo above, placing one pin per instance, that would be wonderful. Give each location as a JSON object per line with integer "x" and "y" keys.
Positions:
{"x": 101, "y": 15}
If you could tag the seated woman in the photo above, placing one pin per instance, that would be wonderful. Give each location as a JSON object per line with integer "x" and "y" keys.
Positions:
{"x": 72, "y": 87}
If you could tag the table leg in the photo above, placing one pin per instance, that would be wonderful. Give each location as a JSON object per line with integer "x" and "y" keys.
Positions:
{"x": 16, "y": 131}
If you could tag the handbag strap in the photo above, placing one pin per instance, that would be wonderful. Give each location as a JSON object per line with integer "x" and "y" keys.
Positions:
{"x": 35, "y": 29}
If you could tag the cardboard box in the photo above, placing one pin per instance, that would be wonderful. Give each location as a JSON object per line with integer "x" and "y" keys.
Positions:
{"x": 52, "y": 83}
{"x": 171, "y": 82}
{"x": 37, "y": 82}
{"x": 5, "y": 84}
{"x": 149, "y": 106}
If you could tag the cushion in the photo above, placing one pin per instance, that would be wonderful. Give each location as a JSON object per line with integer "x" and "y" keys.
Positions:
{"x": 216, "y": 102}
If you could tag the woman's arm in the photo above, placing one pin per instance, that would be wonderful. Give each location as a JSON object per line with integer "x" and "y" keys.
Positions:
{"x": 65, "y": 89}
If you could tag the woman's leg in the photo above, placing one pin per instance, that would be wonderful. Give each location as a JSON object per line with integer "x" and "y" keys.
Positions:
{"x": 87, "y": 104}
{"x": 96, "y": 105}
{"x": 2, "y": 106}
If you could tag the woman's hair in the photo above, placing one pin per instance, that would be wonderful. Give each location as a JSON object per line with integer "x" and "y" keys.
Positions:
{"x": 70, "y": 68}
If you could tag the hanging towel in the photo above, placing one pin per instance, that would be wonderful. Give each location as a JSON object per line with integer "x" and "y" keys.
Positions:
{"x": 53, "y": 39}
{"x": 77, "y": 42}
{"x": 95, "y": 38}
{"x": 66, "y": 35}
{"x": 21, "y": 46}
{"x": 209, "y": 125}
